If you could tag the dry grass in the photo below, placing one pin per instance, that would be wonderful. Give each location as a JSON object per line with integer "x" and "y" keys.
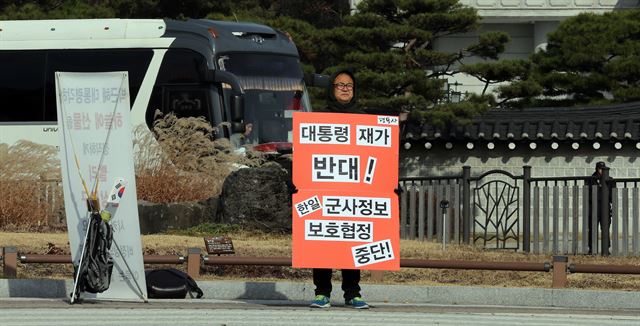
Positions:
{"x": 26, "y": 169}
{"x": 264, "y": 245}
{"x": 186, "y": 164}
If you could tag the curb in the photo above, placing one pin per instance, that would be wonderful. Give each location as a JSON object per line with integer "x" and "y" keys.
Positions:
{"x": 400, "y": 294}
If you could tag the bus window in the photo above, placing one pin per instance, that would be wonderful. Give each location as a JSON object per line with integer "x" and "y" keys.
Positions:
{"x": 180, "y": 86}
{"x": 273, "y": 87}
{"x": 186, "y": 102}
{"x": 262, "y": 65}
{"x": 22, "y": 86}
{"x": 135, "y": 61}
{"x": 182, "y": 66}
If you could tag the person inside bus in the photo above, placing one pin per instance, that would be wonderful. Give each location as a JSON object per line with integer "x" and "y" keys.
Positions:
{"x": 239, "y": 140}
{"x": 341, "y": 98}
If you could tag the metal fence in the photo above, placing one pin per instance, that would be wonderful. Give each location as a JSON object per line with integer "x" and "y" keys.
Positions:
{"x": 51, "y": 194}
{"x": 499, "y": 210}
{"x": 38, "y": 201}
{"x": 563, "y": 216}
{"x": 548, "y": 215}
{"x": 420, "y": 211}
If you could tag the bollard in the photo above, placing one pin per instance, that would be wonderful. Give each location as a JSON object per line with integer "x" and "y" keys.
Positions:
{"x": 444, "y": 204}
{"x": 560, "y": 272}
{"x": 193, "y": 262}
{"x": 10, "y": 262}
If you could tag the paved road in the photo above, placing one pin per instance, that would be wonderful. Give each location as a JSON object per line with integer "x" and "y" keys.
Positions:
{"x": 48, "y": 312}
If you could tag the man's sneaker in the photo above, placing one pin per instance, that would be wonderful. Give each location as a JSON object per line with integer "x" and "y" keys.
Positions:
{"x": 321, "y": 301}
{"x": 357, "y": 303}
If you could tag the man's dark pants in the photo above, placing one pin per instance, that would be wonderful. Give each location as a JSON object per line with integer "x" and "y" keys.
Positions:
{"x": 350, "y": 282}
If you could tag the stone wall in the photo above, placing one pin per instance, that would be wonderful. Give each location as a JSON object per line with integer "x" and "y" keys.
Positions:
{"x": 545, "y": 162}
{"x": 257, "y": 198}
{"x": 160, "y": 218}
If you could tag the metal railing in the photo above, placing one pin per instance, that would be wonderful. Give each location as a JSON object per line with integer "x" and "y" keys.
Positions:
{"x": 560, "y": 265}
{"x": 10, "y": 259}
{"x": 551, "y": 215}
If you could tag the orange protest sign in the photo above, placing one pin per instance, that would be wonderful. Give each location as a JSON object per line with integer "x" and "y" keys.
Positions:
{"x": 345, "y": 214}
{"x": 347, "y": 145}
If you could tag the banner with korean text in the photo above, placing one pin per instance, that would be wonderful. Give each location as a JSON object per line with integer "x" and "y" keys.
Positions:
{"x": 96, "y": 154}
{"x": 345, "y": 213}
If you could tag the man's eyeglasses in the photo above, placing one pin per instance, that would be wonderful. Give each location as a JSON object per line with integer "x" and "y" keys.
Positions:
{"x": 343, "y": 86}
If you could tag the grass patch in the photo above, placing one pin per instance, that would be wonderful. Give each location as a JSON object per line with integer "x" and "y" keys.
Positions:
{"x": 208, "y": 229}
{"x": 256, "y": 244}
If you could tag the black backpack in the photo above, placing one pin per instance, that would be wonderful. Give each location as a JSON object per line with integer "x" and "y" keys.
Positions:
{"x": 97, "y": 263}
{"x": 170, "y": 283}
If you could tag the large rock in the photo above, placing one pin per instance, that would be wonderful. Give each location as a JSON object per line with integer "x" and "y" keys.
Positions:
{"x": 257, "y": 198}
{"x": 159, "y": 218}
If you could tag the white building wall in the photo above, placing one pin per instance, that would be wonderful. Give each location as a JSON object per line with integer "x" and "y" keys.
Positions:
{"x": 544, "y": 161}
{"x": 526, "y": 21}
{"x": 521, "y": 46}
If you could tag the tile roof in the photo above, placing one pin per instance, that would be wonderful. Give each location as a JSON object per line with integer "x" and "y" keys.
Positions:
{"x": 611, "y": 122}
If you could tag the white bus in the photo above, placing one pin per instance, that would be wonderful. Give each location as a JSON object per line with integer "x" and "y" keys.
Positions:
{"x": 224, "y": 71}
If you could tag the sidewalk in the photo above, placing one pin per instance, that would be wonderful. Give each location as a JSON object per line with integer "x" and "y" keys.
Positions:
{"x": 400, "y": 294}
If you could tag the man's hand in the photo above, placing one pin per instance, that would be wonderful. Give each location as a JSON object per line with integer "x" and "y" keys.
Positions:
{"x": 292, "y": 188}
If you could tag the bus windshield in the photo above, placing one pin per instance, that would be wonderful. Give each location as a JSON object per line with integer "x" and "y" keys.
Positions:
{"x": 274, "y": 88}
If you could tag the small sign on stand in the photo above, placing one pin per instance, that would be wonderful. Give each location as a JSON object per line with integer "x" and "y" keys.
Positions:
{"x": 219, "y": 245}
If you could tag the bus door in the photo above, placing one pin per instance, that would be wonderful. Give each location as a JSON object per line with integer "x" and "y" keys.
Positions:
{"x": 182, "y": 89}
{"x": 274, "y": 88}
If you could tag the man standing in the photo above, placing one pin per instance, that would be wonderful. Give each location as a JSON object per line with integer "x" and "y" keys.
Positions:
{"x": 341, "y": 98}
{"x": 596, "y": 180}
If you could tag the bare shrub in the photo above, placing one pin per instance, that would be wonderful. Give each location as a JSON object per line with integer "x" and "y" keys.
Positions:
{"x": 29, "y": 175}
{"x": 185, "y": 163}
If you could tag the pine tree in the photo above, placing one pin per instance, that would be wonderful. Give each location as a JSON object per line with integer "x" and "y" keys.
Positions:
{"x": 389, "y": 43}
{"x": 49, "y": 9}
{"x": 589, "y": 59}
{"x": 77, "y": 9}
